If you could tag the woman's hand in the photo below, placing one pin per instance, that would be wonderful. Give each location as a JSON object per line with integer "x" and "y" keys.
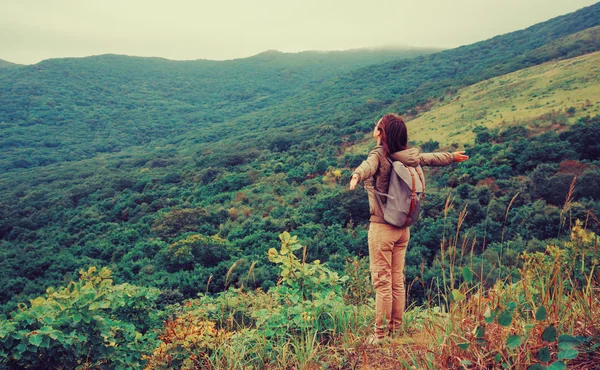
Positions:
{"x": 460, "y": 156}
{"x": 354, "y": 181}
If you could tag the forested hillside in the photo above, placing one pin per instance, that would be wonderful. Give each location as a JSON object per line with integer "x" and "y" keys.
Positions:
{"x": 283, "y": 167}
{"x": 187, "y": 188}
{"x": 5, "y": 64}
{"x": 71, "y": 109}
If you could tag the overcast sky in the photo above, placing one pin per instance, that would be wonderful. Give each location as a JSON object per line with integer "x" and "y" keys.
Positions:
{"x": 33, "y": 30}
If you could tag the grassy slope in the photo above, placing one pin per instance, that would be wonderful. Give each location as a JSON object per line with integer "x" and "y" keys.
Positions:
{"x": 519, "y": 97}
{"x": 526, "y": 97}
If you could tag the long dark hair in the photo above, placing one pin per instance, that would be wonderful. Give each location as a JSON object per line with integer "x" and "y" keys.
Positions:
{"x": 394, "y": 136}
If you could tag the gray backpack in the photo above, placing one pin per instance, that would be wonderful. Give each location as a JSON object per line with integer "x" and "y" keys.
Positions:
{"x": 405, "y": 193}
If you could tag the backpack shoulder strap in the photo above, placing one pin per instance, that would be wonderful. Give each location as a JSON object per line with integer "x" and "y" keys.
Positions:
{"x": 413, "y": 195}
{"x": 421, "y": 177}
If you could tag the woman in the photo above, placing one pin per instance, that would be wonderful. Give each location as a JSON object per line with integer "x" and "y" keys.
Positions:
{"x": 387, "y": 243}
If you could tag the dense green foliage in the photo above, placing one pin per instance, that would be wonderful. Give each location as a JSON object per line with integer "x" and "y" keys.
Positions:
{"x": 91, "y": 323}
{"x": 174, "y": 248}
{"x": 317, "y": 318}
{"x": 71, "y": 109}
{"x": 5, "y": 64}
{"x": 179, "y": 212}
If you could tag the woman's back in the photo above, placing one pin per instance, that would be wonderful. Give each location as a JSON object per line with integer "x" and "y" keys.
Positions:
{"x": 375, "y": 172}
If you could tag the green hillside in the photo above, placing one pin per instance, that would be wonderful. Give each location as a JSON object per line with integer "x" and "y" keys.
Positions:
{"x": 70, "y": 109}
{"x": 545, "y": 97}
{"x": 351, "y": 102}
{"x": 7, "y": 64}
{"x": 279, "y": 168}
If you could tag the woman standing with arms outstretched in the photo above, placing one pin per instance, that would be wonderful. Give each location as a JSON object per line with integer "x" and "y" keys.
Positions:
{"x": 387, "y": 243}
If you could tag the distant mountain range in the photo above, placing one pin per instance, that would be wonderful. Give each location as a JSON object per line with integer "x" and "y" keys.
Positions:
{"x": 110, "y": 102}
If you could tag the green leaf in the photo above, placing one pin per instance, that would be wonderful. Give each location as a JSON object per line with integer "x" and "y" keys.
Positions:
{"x": 514, "y": 341}
{"x": 511, "y": 306}
{"x": 497, "y": 358}
{"x": 104, "y": 304}
{"x": 505, "y": 318}
{"x": 540, "y": 314}
{"x": 35, "y": 339}
{"x": 46, "y": 330}
{"x": 45, "y": 342}
{"x": 567, "y": 345}
{"x": 463, "y": 346}
{"x": 543, "y": 354}
{"x": 22, "y": 347}
{"x": 77, "y": 318}
{"x": 480, "y": 331}
{"x": 558, "y": 365}
{"x": 566, "y": 338}
{"x": 549, "y": 334}
{"x": 467, "y": 275}
{"x": 465, "y": 362}
{"x": 457, "y": 296}
{"x": 567, "y": 354}
{"x": 537, "y": 367}
{"x": 489, "y": 315}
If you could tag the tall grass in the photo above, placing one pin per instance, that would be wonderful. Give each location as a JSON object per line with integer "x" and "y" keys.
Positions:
{"x": 546, "y": 319}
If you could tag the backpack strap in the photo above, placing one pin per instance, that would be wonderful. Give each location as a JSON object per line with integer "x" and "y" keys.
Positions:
{"x": 412, "y": 197}
{"x": 375, "y": 188}
{"x": 377, "y": 194}
{"x": 421, "y": 177}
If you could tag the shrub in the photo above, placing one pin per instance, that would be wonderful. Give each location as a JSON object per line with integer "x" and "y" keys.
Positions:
{"x": 90, "y": 322}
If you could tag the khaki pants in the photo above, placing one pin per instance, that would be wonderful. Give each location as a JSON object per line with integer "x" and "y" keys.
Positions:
{"x": 387, "y": 252}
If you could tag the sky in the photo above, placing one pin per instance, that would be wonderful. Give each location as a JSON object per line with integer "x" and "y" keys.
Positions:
{"x": 34, "y": 30}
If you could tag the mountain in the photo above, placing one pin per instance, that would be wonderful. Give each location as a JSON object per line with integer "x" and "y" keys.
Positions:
{"x": 7, "y": 64}
{"x": 74, "y": 108}
{"x": 196, "y": 191}
{"x": 350, "y": 102}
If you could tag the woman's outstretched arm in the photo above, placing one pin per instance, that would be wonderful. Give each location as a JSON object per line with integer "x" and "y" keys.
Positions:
{"x": 442, "y": 159}
{"x": 412, "y": 157}
{"x": 366, "y": 169}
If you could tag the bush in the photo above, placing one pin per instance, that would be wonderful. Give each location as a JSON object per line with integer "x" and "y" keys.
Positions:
{"x": 90, "y": 322}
